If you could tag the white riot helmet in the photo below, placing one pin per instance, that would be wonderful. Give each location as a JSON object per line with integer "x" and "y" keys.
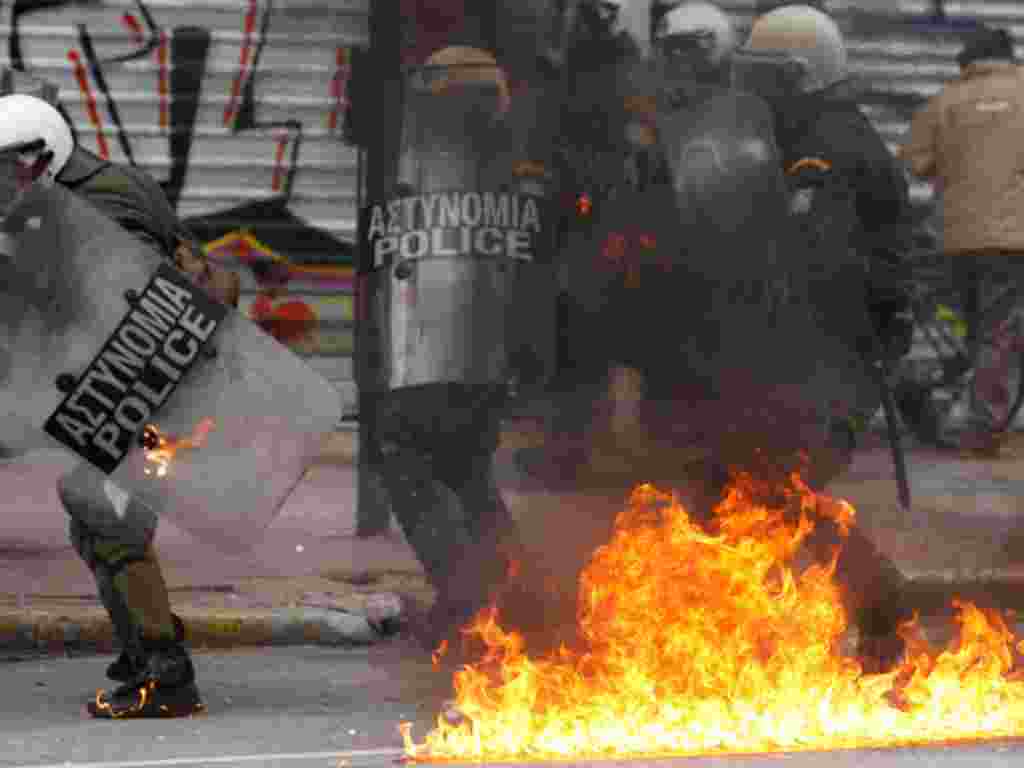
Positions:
{"x": 806, "y": 34}
{"x": 611, "y": 13}
{"x": 31, "y": 126}
{"x": 461, "y": 66}
{"x": 701, "y": 22}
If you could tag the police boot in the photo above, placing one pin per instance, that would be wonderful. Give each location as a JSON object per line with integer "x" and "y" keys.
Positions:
{"x": 127, "y": 665}
{"x": 434, "y": 525}
{"x": 158, "y": 677}
{"x": 164, "y": 686}
{"x": 882, "y": 605}
{"x": 874, "y": 593}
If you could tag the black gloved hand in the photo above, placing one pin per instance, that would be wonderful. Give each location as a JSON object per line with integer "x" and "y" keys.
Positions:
{"x": 893, "y": 324}
{"x": 889, "y": 285}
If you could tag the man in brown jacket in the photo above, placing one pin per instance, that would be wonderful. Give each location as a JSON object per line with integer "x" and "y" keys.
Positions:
{"x": 970, "y": 139}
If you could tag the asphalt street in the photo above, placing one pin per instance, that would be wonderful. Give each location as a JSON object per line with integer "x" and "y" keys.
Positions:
{"x": 297, "y": 701}
{"x": 295, "y": 707}
{"x": 303, "y": 707}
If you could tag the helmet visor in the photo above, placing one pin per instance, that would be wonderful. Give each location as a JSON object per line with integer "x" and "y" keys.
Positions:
{"x": 772, "y": 75}
{"x": 20, "y": 166}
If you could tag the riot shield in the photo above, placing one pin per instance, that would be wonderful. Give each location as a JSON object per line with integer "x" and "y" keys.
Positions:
{"x": 761, "y": 320}
{"x": 461, "y": 288}
{"x": 165, "y": 393}
{"x": 727, "y": 178}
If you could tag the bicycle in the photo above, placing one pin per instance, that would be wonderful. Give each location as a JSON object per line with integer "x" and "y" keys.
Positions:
{"x": 939, "y": 367}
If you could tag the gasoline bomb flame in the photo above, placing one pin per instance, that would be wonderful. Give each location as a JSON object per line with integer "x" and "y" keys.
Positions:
{"x": 161, "y": 450}
{"x": 144, "y": 692}
{"x": 700, "y": 643}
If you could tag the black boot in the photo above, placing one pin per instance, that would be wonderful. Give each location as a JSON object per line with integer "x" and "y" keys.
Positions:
{"x": 164, "y": 686}
{"x": 880, "y": 646}
{"x": 874, "y": 593}
{"x": 126, "y": 667}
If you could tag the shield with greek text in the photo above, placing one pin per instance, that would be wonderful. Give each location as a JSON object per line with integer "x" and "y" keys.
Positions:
{"x": 458, "y": 282}
{"x": 115, "y": 357}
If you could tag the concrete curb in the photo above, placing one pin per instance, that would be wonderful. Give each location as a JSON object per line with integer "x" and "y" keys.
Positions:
{"x": 342, "y": 445}
{"x": 54, "y": 634}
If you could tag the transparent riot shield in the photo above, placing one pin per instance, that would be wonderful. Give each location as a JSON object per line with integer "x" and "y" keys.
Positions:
{"x": 726, "y": 176}
{"x": 461, "y": 289}
{"x": 766, "y": 319}
{"x": 163, "y": 393}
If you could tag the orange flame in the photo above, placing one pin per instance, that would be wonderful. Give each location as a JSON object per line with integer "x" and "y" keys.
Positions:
{"x": 163, "y": 454}
{"x": 438, "y": 654}
{"x": 144, "y": 692}
{"x": 711, "y": 643}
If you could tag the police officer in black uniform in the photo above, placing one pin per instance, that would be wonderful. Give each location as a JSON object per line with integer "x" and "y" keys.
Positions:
{"x": 819, "y": 124}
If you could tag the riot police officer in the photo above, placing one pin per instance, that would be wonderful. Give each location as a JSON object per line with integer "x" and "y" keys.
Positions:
{"x": 818, "y": 123}
{"x": 620, "y": 281}
{"x": 732, "y": 230}
{"x": 108, "y": 528}
{"x": 822, "y": 120}
{"x": 437, "y": 398}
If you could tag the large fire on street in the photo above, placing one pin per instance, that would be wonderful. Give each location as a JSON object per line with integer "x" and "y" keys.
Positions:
{"x": 702, "y": 641}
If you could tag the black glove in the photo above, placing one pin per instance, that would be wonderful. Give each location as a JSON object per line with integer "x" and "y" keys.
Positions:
{"x": 888, "y": 294}
{"x": 893, "y": 324}
{"x": 890, "y": 276}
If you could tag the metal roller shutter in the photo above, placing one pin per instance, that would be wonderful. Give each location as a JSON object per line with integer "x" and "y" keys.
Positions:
{"x": 237, "y": 107}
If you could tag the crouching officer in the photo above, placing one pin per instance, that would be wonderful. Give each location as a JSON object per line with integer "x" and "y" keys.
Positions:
{"x": 111, "y": 531}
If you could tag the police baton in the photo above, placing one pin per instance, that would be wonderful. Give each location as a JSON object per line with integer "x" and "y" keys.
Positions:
{"x": 880, "y": 372}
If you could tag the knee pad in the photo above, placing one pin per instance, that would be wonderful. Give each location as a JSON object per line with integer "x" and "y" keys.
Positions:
{"x": 98, "y": 506}
{"x": 130, "y": 584}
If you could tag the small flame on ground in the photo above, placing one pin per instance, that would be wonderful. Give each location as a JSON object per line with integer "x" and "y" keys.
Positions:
{"x": 698, "y": 642}
{"x": 162, "y": 455}
{"x": 144, "y": 693}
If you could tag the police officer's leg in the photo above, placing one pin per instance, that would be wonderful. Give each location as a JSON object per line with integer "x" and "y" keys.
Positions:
{"x": 872, "y": 588}
{"x": 493, "y": 566}
{"x": 113, "y": 534}
{"x": 484, "y": 545}
{"x": 428, "y": 511}
{"x": 438, "y": 445}
{"x": 870, "y": 584}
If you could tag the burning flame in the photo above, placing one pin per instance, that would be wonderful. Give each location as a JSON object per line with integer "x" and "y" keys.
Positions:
{"x": 705, "y": 643}
{"x": 144, "y": 692}
{"x": 163, "y": 450}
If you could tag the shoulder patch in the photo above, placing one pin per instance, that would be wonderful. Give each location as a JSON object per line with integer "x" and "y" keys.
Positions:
{"x": 992, "y": 105}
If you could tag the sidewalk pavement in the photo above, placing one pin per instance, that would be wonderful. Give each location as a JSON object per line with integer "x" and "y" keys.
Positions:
{"x": 311, "y": 580}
